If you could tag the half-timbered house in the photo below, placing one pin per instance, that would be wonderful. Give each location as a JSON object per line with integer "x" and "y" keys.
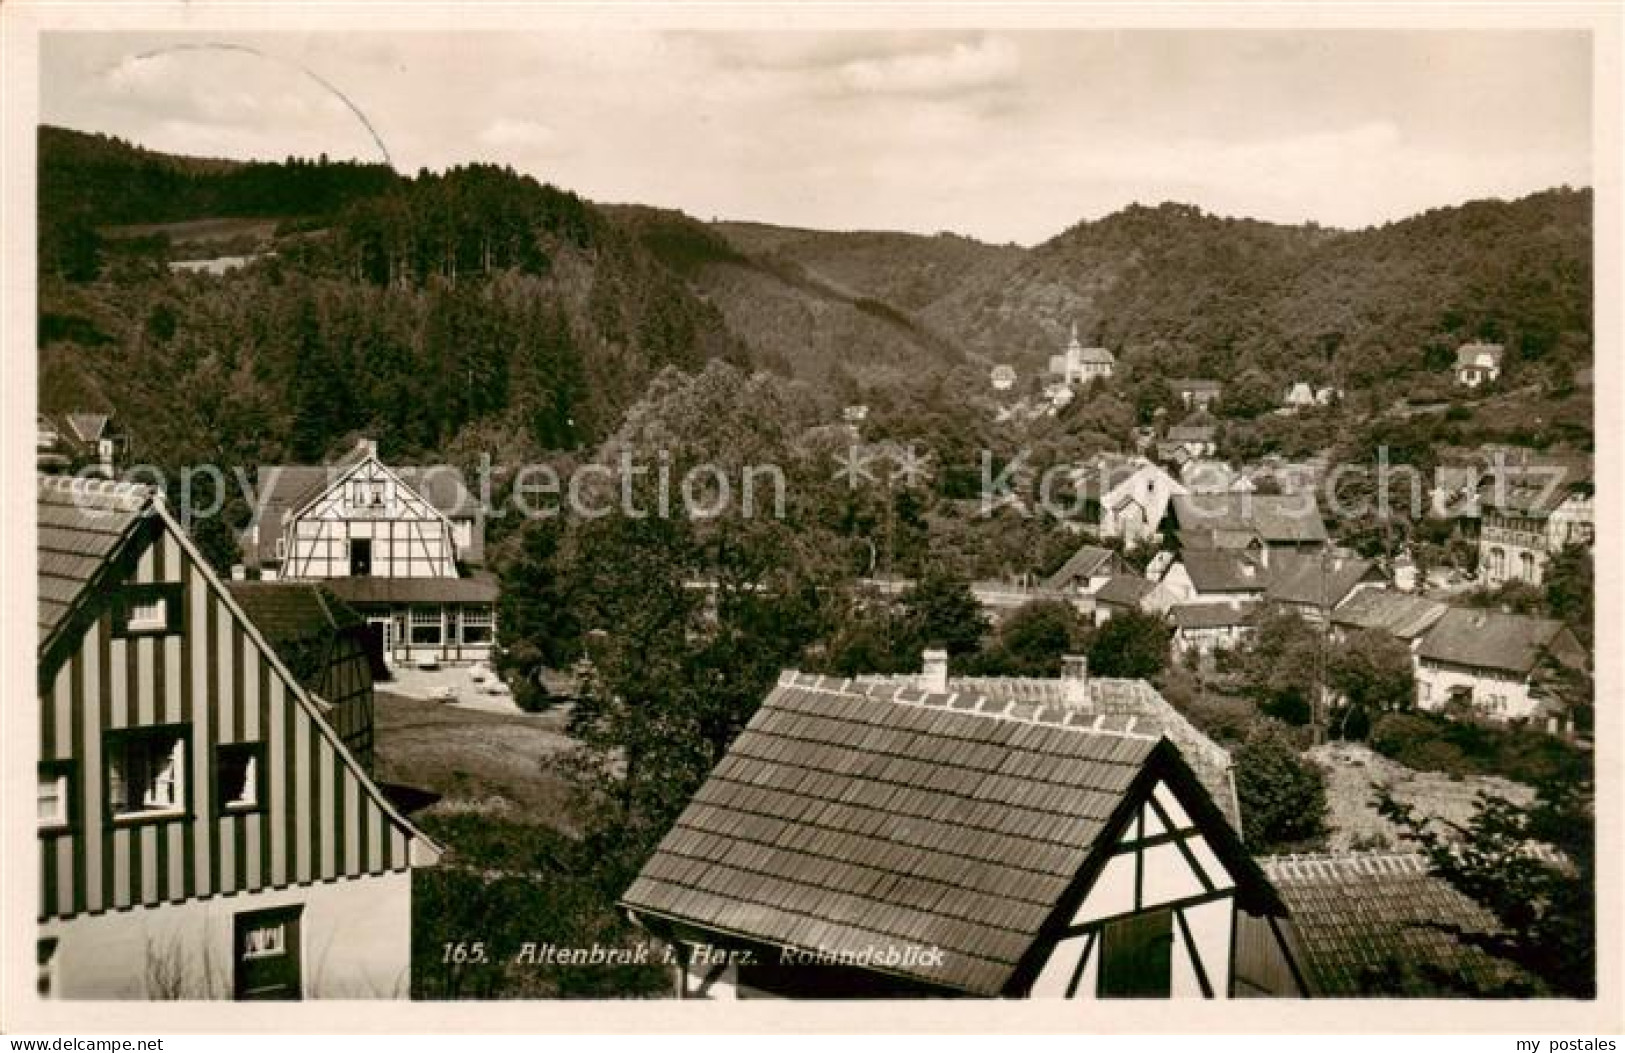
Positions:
{"x": 325, "y": 643}
{"x": 883, "y": 839}
{"x": 402, "y": 545}
{"x": 203, "y": 831}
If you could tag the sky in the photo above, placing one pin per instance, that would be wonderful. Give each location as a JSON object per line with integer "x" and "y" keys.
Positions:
{"x": 1002, "y": 136}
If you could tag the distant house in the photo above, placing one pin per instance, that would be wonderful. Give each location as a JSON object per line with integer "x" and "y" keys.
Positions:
{"x": 1216, "y": 575}
{"x": 1282, "y": 522}
{"x": 921, "y": 837}
{"x": 1313, "y": 584}
{"x": 1530, "y": 510}
{"x": 1130, "y": 592}
{"x": 1197, "y": 436}
{"x": 1124, "y": 497}
{"x": 1478, "y": 363}
{"x": 87, "y": 443}
{"x": 1328, "y": 396}
{"x": 1455, "y": 492}
{"x": 1206, "y": 627}
{"x": 393, "y": 542}
{"x": 1213, "y": 477}
{"x": 325, "y": 643}
{"x": 1077, "y": 365}
{"x": 1194, "y": 393}
{"x": 1494, "y": 663}
{"x": 203, "y": 831}
{"x": 1381, "y": 924}
{"x": 1404, "y": 617}
{"x": 1086, "y": 570}
{"x": 1298, "y": 396}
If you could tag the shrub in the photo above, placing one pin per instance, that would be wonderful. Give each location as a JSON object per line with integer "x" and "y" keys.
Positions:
{"x": 1282, "y": 793}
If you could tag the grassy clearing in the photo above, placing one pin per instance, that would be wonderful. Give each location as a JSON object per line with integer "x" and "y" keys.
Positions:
{"x": 474, "y": 758}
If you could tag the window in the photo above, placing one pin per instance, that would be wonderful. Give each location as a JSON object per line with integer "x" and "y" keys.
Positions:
{"x": 267, "y": 958}
{"x": 55, "y": 795}
{"x": 239, "y": 771}
{"x": 367, "y": 493}
{"x": 1136, "y": 956}
{"x": 476, "y": 625}
{"x": 146, "y": 771}
{"x": 426, "y": 625}
{"x": 281, "y": 548}
{"x": 141, "y": 610}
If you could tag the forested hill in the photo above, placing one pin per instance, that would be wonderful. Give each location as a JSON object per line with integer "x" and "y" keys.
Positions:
{"x": 472, "y": 309}
{"x": 482, "y": 309}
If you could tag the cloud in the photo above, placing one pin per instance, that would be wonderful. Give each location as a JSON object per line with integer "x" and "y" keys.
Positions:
{"x": 517, "y": 132}
{"x": 987, "y": 64}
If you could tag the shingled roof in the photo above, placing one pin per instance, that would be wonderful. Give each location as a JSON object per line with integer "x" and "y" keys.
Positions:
{"x": 1084, "y": 563}
{"x": 849, "y": 814}
{"x": 293, "y": 611}
{"x": 1222, "y": 570}
{"x": 1124, "y": 590}
{"x": 1395, "y": 613}
{"x": 477, "y": 588}
{"x": 1485, "y": 639}
{"x": 1313, "y": 580}
{"x": 82, "y": 524}
{"x": 1277, "y": 518}
{"x": 1361, "y": 918}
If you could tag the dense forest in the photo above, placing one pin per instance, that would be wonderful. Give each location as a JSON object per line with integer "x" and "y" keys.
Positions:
{"x": 482, "y": 309}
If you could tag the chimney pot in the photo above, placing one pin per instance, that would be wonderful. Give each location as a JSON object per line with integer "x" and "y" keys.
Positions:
{"x": 1075, "y": 679}
{"x": 934, "y": 674}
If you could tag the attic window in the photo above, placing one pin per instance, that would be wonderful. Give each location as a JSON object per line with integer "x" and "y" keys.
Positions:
{"x": 55, "y": 794}
{"x": 367, "y": 493}
{"x": 146, "y": 609}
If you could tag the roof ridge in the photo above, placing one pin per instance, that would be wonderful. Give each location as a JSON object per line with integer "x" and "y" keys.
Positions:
{"x": 86, "y": 484}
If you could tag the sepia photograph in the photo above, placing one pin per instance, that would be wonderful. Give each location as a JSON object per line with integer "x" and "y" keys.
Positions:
{"x": 582, "y": 507}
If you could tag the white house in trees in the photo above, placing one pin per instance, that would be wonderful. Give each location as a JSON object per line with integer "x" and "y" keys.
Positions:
{"x": 401, "y": 545}
{"x": 1478, "y": 363}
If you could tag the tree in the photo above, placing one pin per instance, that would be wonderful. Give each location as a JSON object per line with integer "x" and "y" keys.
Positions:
{"x": 1571, "y": 590}
{"x": 1033, "y": 639}
{"x": 536, "y": 623}
{"x": 1132, "y": 644}
{"x": 1532, "y": 867}
{"x": 1282, "y": 794}
{"x": 1372, "y": 672}
{"x": 941, "y": 611}
{"x": 1278, "y": 666}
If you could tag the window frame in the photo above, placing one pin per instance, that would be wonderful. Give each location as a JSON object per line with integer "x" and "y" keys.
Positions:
{"x": 256, "y": 753}
{"x": 417, "y": 618}
{"x": 66, "y": 772}
{"x": 483, "y": 617}
{"x": 113, "y": 741}
{"x": 170, "y": 593}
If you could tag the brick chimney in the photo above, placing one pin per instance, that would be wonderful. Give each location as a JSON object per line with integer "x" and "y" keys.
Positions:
{"x": 1075, "y": 679}
{"x": 370, "y": 446}
{"x": 934, "y": 672}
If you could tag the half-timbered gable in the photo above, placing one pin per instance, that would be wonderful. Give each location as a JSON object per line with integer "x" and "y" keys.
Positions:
{"x": 203, "y": 831}
{"x": 881, "y": 839}
{"x": 398, "y": 544}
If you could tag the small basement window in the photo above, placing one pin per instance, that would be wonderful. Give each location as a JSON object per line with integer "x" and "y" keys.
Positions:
{"x": 146, "y": 771}
{"x": 239, "y": 770}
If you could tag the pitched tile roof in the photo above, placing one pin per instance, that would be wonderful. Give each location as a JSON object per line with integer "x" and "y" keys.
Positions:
{"x": 1358, "y": 916}
{"x": 1191, "y": 433}
{"x": 1492, "y": 640}
{"x": 1084, "y": 563}
{"x": 1384, "y": 610}
{"x": 1215, "y": 615}
{"x": 1293, "y": 518}
{"x": 478, "y": 588}
{"x": 1310, "y": 579}
{"x": 1125, "y": 590}
{"x": 850, "y": 815}
{"x": 293, "y": 611}
{"x": 1467, "y": 354}
{"x": 82, "y": 524}
{"x": 1221, "y": 570}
